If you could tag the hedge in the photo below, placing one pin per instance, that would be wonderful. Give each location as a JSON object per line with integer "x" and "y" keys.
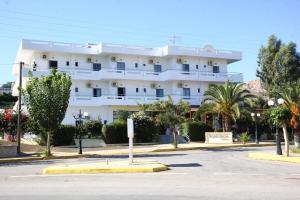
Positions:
{"x": 195, "y": 130}
{"x": 115, "y": 132}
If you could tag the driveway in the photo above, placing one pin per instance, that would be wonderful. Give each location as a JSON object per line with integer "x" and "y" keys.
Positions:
{"x": 198, "y": 174}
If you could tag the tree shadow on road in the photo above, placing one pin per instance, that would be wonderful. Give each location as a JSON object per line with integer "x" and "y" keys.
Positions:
{"x": 230, "y": 149}
{"x": 185, "y": 165}
{"x": 139, "y": 155}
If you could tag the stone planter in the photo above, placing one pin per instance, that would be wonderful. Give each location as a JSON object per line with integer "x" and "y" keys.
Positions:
{"x": 89, "y": 143}
{"x": 218, "y": 137}
{"x": 7, "y": 151}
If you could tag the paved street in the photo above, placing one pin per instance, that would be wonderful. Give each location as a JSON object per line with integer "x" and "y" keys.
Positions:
{"x": 199, "y": 174}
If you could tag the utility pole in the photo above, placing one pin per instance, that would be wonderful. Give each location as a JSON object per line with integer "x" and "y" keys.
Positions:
{"x": 19, "y": 110}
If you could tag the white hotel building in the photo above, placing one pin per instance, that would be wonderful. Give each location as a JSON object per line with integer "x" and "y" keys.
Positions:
{"x": 107, "y": 78}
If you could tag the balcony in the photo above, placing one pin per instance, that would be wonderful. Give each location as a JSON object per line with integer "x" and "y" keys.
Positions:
{"x": 113, "y": 100}
{"x": 133, "y": 74}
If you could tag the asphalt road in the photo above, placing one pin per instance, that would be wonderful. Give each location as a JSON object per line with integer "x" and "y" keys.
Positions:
{"x": 200, "y": 174}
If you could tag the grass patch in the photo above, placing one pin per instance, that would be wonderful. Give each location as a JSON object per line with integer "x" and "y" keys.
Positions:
{"x": 295, "y": 150}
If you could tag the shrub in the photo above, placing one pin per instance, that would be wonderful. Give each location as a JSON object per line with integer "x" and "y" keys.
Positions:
{"x": 64, "y": 135}
{"x": 115, "y": 132}
{"x": 195, "y": 130}
{"x": 145, "y": 129}
{"x": 244, "y": 138}
{"x": 93, "y": 128}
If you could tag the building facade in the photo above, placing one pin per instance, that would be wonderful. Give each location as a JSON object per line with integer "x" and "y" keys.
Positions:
{"x": 107, "y": 78}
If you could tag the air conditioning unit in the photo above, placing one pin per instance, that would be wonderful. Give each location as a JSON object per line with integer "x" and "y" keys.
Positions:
{"x": 151, "y": 61}
{"x": 153, "y": 86}
{"x": 44, "y": 56}
{"x": 179, "y": 60}
{"x": 89, "y": 60}
{"x": 210, "y": 63}
{"x": 113, "y": 59}
{"x": 180, "y": 85}
{"x": 114, "y": 84}
{"x": 89, "y": 85}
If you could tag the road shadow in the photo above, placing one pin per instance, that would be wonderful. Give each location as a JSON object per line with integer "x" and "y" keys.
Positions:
{"x": 139, "y": 155}
{"x": 185, "y": 165}
{"x": 33, "y": 162}
{"x": 229, "y": 149}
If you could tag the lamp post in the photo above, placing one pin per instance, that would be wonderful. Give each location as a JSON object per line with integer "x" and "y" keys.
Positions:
{"x": 78, "y": 122}
{"x": 271, "y": 102}
{"x": 256, "y": 116}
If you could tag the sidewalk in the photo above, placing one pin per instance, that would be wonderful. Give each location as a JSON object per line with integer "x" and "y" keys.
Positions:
{"x": 72, "y": 152}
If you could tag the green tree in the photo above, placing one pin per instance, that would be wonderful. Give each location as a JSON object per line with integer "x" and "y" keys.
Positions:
{"x": 278, "y": 64}
{"x": 47, "y": 100}
{"x": 7, "y": 85}
{"x": 170, "y": 114}
{"x": 280, "y": 116}
{"x": 291, "y": 97}
{"x": 226, "y": 100}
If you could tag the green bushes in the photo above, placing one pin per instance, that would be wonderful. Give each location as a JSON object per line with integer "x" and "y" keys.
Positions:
{"x": 92, "y": 129}
{"x": 244, "y": 138}
{"x": 195, "y": 130}
{"x": 145, "y": 129}
{"x": 116, "y": 132}
{"x": 64, "y": 135}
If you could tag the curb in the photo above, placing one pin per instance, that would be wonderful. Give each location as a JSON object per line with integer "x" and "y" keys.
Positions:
{"x": 139, "y": 166}
{"x": 25, "y": 159}
{"x": 211, "y": 147}
{"x": 272, "y": 157}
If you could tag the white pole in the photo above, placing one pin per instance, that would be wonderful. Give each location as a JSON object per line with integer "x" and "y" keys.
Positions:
{"x": 130, "y": 150}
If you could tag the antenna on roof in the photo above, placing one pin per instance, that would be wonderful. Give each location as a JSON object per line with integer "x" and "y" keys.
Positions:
{"x": 174, "y": 39}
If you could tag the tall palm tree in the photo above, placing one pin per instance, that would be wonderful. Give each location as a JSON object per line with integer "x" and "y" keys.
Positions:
{"x": 226, "y": 100}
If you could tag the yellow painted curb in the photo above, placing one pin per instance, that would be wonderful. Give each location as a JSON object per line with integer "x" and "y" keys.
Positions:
{"x": 272, "y": 157}
{"x": 138, "y": 166}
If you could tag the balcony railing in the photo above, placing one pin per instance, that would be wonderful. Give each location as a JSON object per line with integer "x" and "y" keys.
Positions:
{"x": 135, "y": 74}
{"x": 129, "y": 100}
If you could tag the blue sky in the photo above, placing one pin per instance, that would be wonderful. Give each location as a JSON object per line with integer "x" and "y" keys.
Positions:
{"x": 226, "y": 24}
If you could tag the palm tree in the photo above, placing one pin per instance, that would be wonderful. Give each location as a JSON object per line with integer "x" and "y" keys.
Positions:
{"x": 291, "y": 97}
{"x": 226, "y": 100}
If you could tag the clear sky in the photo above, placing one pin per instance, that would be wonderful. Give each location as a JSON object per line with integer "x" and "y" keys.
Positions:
{"x": 226, "y": 24}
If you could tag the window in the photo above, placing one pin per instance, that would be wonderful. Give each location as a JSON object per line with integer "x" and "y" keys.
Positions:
{"x": 145, "y": 90}
{"x": 76, "y": 89}
{"x": 199, "y": 90}
{"x": 136, "y": 65}
{"x": 157, "y": 68}
{"x": 76, "y": 64}
{"x": 121, "y": 91}
{"x": 144, "y": 64}
{"x": 67, "y": 63}
{"x": 216, "y": 69}
{"x": 97, "y": 92}
{"x": 186, "y": 92}
{"x": 96, "y": 66}
{"x": 137, "y": 90}
{"x": 53, "y": 64}
{"x": 120, "y": 66}
{"x": 197, "y": 66}
{"x": 185, "y": 67}
{"x": 159, "y": 92}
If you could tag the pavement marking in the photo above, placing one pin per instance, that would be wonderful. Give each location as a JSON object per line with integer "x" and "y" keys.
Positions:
{"x": 73, "y": 175}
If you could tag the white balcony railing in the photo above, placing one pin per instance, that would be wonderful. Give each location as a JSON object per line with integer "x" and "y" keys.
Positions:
{"x": 133, "y": 74}
{"x": 128, "y": 100}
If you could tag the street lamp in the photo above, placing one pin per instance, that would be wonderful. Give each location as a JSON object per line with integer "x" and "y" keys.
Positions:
{"x": 271, "y": 102}
{"x": 256, "y": 116}
{"x": 78, "y": 122}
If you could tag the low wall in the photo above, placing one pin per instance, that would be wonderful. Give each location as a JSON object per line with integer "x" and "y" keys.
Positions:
{"x": 7, "y": 151}
{"x": 218, "y": 137}
{"x": 89, "y": 143}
